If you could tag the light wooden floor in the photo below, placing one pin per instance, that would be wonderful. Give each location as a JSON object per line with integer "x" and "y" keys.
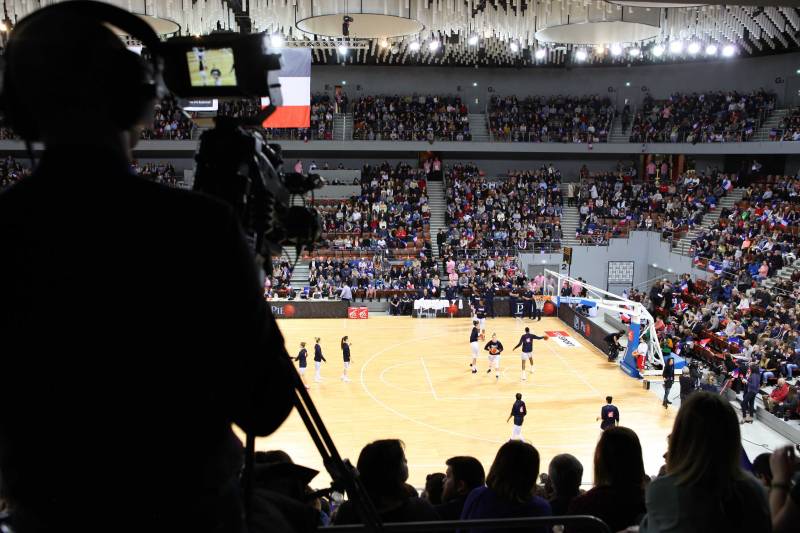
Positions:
{"x": 411, "y": 380}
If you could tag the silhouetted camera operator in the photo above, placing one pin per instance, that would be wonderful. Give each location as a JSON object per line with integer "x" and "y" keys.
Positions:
{"x": 132, "y": 328}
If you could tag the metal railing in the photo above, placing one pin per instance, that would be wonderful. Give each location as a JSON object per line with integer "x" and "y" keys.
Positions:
{"x": 589, "y": 523}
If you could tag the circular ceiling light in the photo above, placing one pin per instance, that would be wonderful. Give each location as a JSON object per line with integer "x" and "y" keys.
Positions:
{"x": 634, "y": 52}
{"x": 676, "y": 47}
{"x": 342, "y": 48}
{"x": 540, "y": 53}
{"x": 276, "y": 40}
{"x": 473, "y": 40}
{"x": 580, "y": 55}
{"x": 414, "y": 46}
{"x": 658, "y": 50}
{"x": 728, "y": 50}
{"x": 514, "y": 47}
{"x": 693, "y": 48}
{"x": 711, "y": 50}
{"x": 616, "y": 49}
{"x": 433, "y": 46}
{"x": 384, "y": 43}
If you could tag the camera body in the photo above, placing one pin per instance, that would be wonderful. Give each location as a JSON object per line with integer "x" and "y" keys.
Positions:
{"x": 234, "y": 162}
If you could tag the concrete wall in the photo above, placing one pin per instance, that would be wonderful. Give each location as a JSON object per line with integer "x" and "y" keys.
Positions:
{"x": 742, "y": 74}
{"x": 652, "y": 259}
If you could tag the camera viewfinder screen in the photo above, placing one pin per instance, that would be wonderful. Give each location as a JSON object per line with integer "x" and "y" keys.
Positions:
{"x": 211, "y": 67}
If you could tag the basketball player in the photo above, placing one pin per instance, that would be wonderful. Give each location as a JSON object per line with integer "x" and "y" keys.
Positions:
{"x": 199, "y": 54}
{"x": 495, "y": 348}
{"x": 480, "y": 314}
{"x": 526, "y": 341}
{"x": 318, "y": 359}
{"x": 346, "y": 358}
{"x": 302, "y": 359}
{"x": 518, "y": 411}
{"x": 474, "y": 335}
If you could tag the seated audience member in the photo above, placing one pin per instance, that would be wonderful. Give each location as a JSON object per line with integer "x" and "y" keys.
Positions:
{"x": 784, "y": 500}
{"x": 705, "y": 488}
{"x": 384, "y": 471}
{"x": 617, "y": 497}
{"x": 463, "y": 475}
{"x": 509, "y": 487}
{"x": 434, "y": 483}
{"x": 777, "y": 396}
{"x": 565, "y": 473}
{"x": 788, "y": 406}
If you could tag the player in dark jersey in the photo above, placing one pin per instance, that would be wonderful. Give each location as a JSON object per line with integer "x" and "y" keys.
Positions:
{"x": 302, "y": 357}
{"x": 518, "y": 411}
{"x": 495, "y": 348}
{"x": 346, "y": 357}
{"x": 609, "y": 415}
{"x": 480, "y": 314}
{"x": 526, "y": 341}
{"x": 318, "y": 359}
{"x": 474, "y": 335}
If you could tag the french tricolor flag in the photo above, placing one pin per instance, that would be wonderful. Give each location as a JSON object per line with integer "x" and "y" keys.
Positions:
{"x": 295, "y": 79}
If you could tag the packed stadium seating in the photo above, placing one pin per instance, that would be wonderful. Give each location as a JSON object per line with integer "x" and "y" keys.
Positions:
{"x": 519, "y": 212}
{"x": 321, "y": 118}
{"x": 411, "y": 118}
{"x": 169, "y": 122}
{"x": 11, "y": 171}
{"x": 566, "y": 119}
{"x": 701, "y": 117}
{"x": 789, "y": 127}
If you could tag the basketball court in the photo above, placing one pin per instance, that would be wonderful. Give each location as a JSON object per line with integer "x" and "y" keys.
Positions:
{"x": 411, "y": 380}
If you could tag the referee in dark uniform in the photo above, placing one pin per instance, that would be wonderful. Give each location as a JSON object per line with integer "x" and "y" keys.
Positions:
{"x": 513, "y": 298}
{"x": 609, "y": 415}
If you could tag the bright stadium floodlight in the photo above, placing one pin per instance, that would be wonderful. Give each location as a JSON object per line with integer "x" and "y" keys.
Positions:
{"x": 658, "y": 50}
{"x": 616, "y": 49}
{"x": 514, "y": 47}
{"x": 693, "y": 48}
{"x": 676, "y": 47}
{"x": 711, "y": 50}
{"x": 634, "y": 52}
{"x": 433, "y": 46}
{"x": 276, "y": 40}
{"x": 540, "y": 53}
{"x": 384, "y": 43}
{"x": 473, "y": 40}
{"x": 581, "y": 55}
{"x": 728, "y": 50}
{"x": 342, "y": 48}
{"x": 414, "y": 47}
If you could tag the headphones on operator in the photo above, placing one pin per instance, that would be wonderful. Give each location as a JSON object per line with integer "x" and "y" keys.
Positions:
{"x": 133, "y": 82}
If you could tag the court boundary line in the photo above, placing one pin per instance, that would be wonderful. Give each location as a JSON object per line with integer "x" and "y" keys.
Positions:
{"x": 403, "y": 415}
{"x": 428, "y": 377}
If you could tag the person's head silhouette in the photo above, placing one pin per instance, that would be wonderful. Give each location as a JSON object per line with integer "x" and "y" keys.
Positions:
{"x": 69, "y": 80}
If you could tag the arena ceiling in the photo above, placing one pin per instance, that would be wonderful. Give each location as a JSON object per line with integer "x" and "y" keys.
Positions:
{"x": 492, "y": 32}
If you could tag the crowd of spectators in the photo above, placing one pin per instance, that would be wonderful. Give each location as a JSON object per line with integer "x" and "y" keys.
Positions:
{"x": 701, "y": 117}
{"x": 169, "y": 122}
{"x": 758, "y": 236}
{"x": 321, "y": 118}
{"x": 788, "y": 129}
{"x": 705, "y": 483}
{"x": 564, "y": 119}
{"x": 411, "y": 118}
{"x": 480, "y": 270}
{"x": 612, "y": 203}
{"x": 159, "y": 172}
{"x": 368, "y": 276}
{"x": 390, "y": 213}
{"x": 519, "y": 212}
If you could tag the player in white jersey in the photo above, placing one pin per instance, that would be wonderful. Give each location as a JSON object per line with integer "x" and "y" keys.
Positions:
{"x": 495, "y": 348}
